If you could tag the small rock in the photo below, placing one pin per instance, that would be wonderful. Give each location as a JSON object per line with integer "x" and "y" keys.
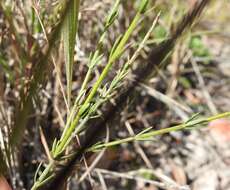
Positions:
{"x": 220, "y": 129}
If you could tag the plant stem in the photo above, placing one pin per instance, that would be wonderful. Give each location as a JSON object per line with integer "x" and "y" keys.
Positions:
{"x": 118, "y": 51}
{"x": 151, "y": 134}
{"x": 113, "y": 58}
{"x": 66, "y": 136}
{"x": 43, "y": 176}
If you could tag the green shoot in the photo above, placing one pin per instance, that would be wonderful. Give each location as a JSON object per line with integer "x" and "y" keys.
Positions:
{"x": 118, "y": 50}
{"x": 148, "y": 133}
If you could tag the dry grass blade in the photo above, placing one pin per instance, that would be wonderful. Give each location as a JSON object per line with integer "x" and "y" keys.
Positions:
{"x": 14, "y": 35}
{"x": 131, "y": 176}
{"x": 37, "y": 78}
{"x": 53, "y": 59}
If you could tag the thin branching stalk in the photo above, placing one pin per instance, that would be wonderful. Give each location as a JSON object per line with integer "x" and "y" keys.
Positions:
{"x": 148, "y": 133}
{"x": 94, "y": 60}
{"x": 114, "y": 55}
{"x": 59, "y": 146}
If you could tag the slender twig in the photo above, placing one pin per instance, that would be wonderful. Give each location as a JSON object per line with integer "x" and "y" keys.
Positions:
{"x": 115, "y": 54}
{"x": 145, "y": 135}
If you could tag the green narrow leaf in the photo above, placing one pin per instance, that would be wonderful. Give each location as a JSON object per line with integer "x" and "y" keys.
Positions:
{"x": 69, "y": 38}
